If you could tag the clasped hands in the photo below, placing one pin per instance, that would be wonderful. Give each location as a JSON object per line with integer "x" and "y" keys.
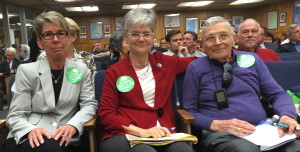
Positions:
{"x": 243, "y": 128}
{"x": 65, "y": 132}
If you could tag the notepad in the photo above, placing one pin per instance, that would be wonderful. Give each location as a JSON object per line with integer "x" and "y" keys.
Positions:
{"x": 162, "y": 141}
{"x": 267, "y": 137}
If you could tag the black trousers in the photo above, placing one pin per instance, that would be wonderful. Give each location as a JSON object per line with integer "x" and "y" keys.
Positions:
{"x": 119, "y": 143}
{"x": 49, "y": 145}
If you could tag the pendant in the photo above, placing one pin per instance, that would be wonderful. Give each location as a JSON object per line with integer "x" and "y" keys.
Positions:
{"x": 55, "y": 81}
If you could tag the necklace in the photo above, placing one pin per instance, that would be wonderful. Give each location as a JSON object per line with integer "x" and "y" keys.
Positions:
{"x": 56, "y": 80}
{"x": 140, "y": 66}
{"x": 144, "y": 74}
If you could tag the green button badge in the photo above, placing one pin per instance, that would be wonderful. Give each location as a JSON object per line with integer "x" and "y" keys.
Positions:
{"x": 125, "y": 83}
{"x": 245, "y": 60}
{"x": 73, "y": 75}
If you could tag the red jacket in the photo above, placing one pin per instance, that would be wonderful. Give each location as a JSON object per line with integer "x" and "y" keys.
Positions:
{"x": 125, "y": 108}
{"x": 265, "y": 54}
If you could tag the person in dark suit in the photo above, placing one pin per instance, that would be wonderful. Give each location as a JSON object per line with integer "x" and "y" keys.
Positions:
{"x": 293, "y": 33}
{"x": 4, "y": 72}
{"x": 13, "y": 62}
{"x": 266, "y": 45}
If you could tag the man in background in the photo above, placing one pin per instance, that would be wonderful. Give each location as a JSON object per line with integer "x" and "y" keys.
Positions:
{"x": 98, "y": 52}
{"x": 13, "y": 62}
{"x": 174, "y": 41}
{"x": 190, "y": 41}
{"x": 163, "y": 43}
{"x": 293, "y": 33}
{"x": 249, "y": 39}
{"x": 262, "y": 43}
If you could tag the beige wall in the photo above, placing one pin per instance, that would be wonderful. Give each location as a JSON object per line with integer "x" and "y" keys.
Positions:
{"x": 258, "y": 13}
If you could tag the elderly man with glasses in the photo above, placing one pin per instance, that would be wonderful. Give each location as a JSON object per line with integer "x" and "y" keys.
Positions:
{"x": 222, "y": 91}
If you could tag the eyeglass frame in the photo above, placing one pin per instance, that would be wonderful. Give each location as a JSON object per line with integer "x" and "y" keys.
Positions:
{"x": 140, "y": 35}
{"x": 227, "y": 76}
{"x": 217, "y": 36}
{"x": 53, "y": 34}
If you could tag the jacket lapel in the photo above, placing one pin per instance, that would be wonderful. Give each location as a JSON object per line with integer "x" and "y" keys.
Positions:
{"x": 66, "y": 86}
{"x": 46, "y": 82}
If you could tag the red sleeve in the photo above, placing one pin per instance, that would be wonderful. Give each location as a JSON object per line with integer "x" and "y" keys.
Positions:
{"x": 109, "y": 116}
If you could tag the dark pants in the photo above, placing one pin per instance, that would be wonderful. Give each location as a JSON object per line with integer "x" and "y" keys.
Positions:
{"x": 49, "y": 145}
{"x": 225, "y": 142}
{"x": 2, "y": 90}
{"x": 120, "y": 143}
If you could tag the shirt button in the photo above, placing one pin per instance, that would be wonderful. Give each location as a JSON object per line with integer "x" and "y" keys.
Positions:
{"x": 54, "y": 124}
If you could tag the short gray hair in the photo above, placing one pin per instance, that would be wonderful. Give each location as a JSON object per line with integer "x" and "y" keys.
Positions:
{"x": 49, "y": 17}
{"x": 115, "y": 41}
{"x": 248, "y": 19}
{"x": 214, "y": 20}
{"x": 10, "y": 49}
{"x": 140, "y": 17}
{"x": 290, "y": 29}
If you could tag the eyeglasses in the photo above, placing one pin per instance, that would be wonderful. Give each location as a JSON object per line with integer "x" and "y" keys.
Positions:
{"x": 138, "y": 35}
{"x": 212, "y": 38}
{"x": 227, "y": 76}
{"x": 253, "y": 32}
{"x": 59, "y": 34}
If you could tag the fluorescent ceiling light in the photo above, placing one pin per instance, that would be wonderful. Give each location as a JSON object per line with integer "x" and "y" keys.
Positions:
{"x": 194, "y": 4}
{"x": 74, "y": 9}
{"x": 90, "y": 8}
{"x": 238, "y": 2}
{"x": 172, "y": 15}
{"x": 129, "y": 6}
{"x": 82, "y": 9}
{"x": 150, "y": 5}
{"x": 65, "y": 0}
{"x": 9, "y": 15}
{"x": 27, "y": 24}
{"x": 191, "y": 18}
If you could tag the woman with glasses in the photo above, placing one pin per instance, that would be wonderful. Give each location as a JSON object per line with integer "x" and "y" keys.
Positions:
{"x": 53, "y": 97}
{"x": 222, "y": 91}
{"x": 136, "y": 93}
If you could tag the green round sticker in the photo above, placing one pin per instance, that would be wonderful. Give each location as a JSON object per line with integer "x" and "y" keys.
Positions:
{"x": 73, "y": 75}
{"x": 245, "y": 60}
{"x": 125, "y": 83}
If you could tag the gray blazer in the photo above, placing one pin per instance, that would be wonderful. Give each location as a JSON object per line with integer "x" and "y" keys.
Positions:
{"x": 33, "y": 103}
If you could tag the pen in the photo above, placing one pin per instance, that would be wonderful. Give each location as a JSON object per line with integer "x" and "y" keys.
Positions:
{"x": 284, "y": 126}
{"x": 170, "y": 129}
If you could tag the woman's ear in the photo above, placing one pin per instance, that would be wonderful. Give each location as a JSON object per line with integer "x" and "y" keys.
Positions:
{"x": 40, "y": 43}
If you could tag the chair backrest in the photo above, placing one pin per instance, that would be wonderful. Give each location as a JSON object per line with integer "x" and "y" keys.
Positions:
{"x": 101, "y": 59}
{"x": 288, "y": 54}
{"x": 98, "y": 66}
{"x": 290, "y": 57}
{"x": 99, "y": 80}
{"x": 286, "y": 73}
{"x": 10, "y": 83}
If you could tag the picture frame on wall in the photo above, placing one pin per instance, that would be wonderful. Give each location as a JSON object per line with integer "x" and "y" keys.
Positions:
{"x": 272, "y": 20}
{"x": 107, "y": 28}
{"x": 168, "y": 30}
{"x": 201, "y": 23}
{"x": 119, "y": 23}
{"x": 82, "y": 30}
{"x": 296, "y": 18}
{"x": 282, "y": 18}
{"x": 236, "y": 21}
{"x": 96, "y": 30}
{"x": 191, "y": 24}
{"x": 171, "y": 20}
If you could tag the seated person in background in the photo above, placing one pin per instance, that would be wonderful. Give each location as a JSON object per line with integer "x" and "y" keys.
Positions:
{"x": 136, "y": 92}
{"x": 48, "y": 116}
{"x": 293, "y": 33}
{"x": 98, "y": 52}
{"x": 284, "y": 39}
{"x": 105, "y": 48}
{"x": 4, "y": 72}
{"x": 175, "y": 43}
{"x": 249, "y": 38}
{"x": 22, "y": 52}
{"x": 163, "y": 43}
{"x": 266, "y": 39}
{"x": 118, "y": 48}
{"x": 190, "y": 41}
{"x": 73, "y": 53}
{"x": 243, "y": 78}
{"x": 13, "y": 62}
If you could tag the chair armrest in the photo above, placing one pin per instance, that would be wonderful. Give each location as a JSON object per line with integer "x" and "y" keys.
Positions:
{"x": 185, "y": 116}
{"x": 2, "y": 123}
{"x": 90, "y": 124}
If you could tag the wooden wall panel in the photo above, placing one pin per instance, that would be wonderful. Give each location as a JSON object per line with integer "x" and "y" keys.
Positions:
{"x": 258, "y": 13}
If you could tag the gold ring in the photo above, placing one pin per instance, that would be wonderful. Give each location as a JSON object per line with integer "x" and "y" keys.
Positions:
{"x": 238, "y": 129}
